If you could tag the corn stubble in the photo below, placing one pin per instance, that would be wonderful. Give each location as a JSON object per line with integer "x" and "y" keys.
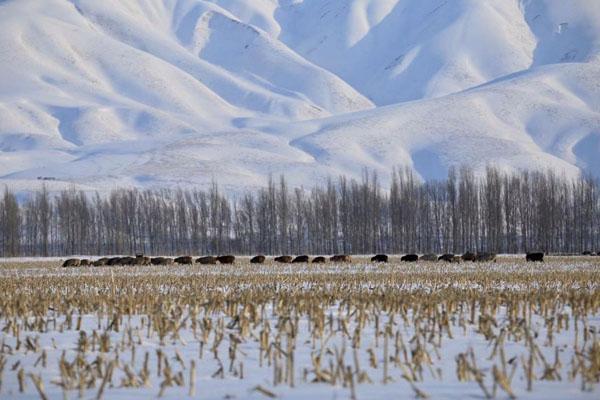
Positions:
{"x": 352, "y": 326}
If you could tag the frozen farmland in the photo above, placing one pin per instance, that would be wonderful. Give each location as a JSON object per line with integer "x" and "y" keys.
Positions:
{"x": 508, "y": 329}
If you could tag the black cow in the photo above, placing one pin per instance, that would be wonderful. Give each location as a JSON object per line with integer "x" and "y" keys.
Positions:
{"x": 340, "y": 258}
{"x": 207, "y": 260}
{"x": 114, "y": 261}
{"x": 468, "y": 256}
{"x": 127, "y": 261}
{"x": 161, "y": 261}
{"x": 535, "y": 257}
{"x": 301, "y": 259}
{"x": 410, "y": 258}
{"x": 448, "y": 258}
{"x": 228, "y": 259}
{"x": 184, "y": 260}
{"x": 71, "y": 262}
{"x": 100, "y": 262}
{"x": 380, "y": 258}
{"x": 257, "y": 259}
{"x": 283, "y": 259}
{"x": 485, "y": 257}
{"x": 429, "y": 257}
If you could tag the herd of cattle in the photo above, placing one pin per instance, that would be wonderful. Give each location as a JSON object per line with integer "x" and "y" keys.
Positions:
{"x": 141, "y": 260}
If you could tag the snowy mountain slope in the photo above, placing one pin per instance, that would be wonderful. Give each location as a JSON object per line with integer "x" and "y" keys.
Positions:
{"x": 125, "y": 55}
{"x": 548, "y": 117}
{"x": 177, "y": 92}
{"x": 400, "y": 50}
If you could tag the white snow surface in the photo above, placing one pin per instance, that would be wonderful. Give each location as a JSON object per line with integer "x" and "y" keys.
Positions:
{"x": 172, "y": 93}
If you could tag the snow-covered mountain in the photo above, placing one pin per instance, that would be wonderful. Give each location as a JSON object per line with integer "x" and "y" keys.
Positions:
{"x": 99, "y": 94}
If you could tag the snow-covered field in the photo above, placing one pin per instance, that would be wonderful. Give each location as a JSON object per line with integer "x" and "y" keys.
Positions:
{"x": 361, "y": 330}
{"x": 99, "y": 94}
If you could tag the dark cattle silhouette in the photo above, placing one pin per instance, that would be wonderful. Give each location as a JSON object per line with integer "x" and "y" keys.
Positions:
{"x": 535, "y": 256}
{"x": 319, "y": 260}
{"x": 84, "y": 262}
{"x": 138, "y": 261}
{"x": 409, "y": 258}
{"x": 127, "y": 261}
{"x": 301, "y": 259}
{"x": 71, "y": 262}
{"x": 485, "y": 257}
{"x": 114, "y": 261}
{"x": 257, "y": 259}
{"x": 100, "y": 262}
{"x": 141, "y": 260}
{"x": 429, "y": 257}
{"x": 207, "y": 260}
{"x": 587, "y": 253}
{"x": 340, "y": 258}
{"x": 228, "y": 259}
{"x": 184, "y": 260}
{"x": 381, "y": 258}
{"x": 161, "y": 261}
{"x": 283, "y": 259}
{"x": 468, "y": 256}
{"x": 448, "y": 258}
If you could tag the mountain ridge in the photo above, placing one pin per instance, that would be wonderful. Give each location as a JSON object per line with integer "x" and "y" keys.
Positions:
{"x": 163, "y": 93}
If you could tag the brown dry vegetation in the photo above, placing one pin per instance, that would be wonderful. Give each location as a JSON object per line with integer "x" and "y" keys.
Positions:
{"x": 356, "y": 324}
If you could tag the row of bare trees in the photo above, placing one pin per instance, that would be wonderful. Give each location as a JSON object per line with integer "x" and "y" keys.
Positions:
{"x": 496, "y": 212}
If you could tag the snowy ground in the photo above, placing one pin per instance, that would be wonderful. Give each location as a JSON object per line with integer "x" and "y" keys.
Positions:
{"x": 390, "y": 293}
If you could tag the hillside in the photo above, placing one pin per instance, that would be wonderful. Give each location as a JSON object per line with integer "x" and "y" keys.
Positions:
{"x": 156, "y": 93}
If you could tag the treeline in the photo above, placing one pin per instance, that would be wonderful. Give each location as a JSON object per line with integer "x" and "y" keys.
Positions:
{"x": 495, "y": 213}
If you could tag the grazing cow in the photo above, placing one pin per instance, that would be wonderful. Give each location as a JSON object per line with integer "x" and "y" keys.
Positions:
{"x": 226, "y": 259}
{"x": 340, "y": 258}
{"x": 257, "y": 259}
{"x": 161, "y": 261}
{"x": 71, "y": 262}
{"x": 319, "y": 260}
{"x": 184, "y": 260}
{"x": 380, "y": 258}
{"x": 301, "y": 259}
{"x": 127, "y": 261}
{"x": 100, "y": 262}
{"x": 141, "y": 260}
{"x": 429, "y": 257}
{"x": 84, "y": 262}
{"x": 485, "y": 257}
{"x": 114, "y": 261}
{"x": 448, "y": 258}
{"x": 145, "y": 260}
{"x": 587, "y": 253}
{"x": 534, "y": 257}
{"x": 410, "y": 258}
{"x": 283, "y": 259}
{"x": 207, "y": 260}
{"x": 468, "y": 256}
